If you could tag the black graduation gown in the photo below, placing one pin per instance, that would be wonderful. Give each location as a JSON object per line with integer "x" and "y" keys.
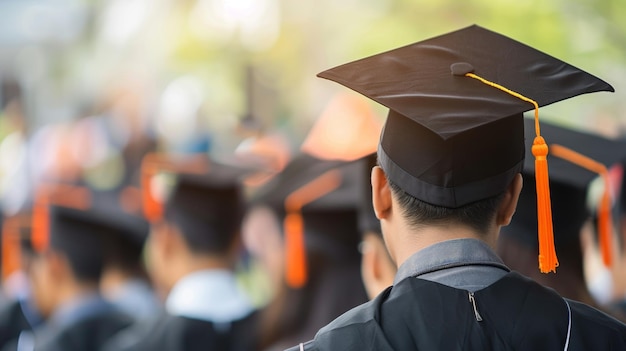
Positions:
{"x": 87, "y": 334}
{"x": 12, "y": 322}
{"x": 169, "y": 333}
{"x": 515, "y": 313}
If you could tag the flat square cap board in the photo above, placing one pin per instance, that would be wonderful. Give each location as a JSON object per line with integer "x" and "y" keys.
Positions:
{"x": 449, "y": 139}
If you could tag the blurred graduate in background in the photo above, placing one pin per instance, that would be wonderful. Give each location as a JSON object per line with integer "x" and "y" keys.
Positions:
{"x": 192, "y": 250}
{"x": 66, "y": 274}
{"x": 316, "y": 207}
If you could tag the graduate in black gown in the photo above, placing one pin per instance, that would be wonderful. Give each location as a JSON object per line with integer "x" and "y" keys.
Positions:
{"x": 124, "y": 281}
{"x": 450, "y": 158}
{"x": 192, "y": 251}
{"x": 326, "y": 195}
{"x": 65, "y": 278}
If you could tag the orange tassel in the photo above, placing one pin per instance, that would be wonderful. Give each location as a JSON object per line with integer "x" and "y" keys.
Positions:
{"x": 58, "y": 194}
{"x": 152, "y": 209}
{"x": 41, "y": 222}
{"x": 295, "y": 253}
{"x": 11, "y": 251}
{"x": 296, "y": 270}
{"x": 154, "y": 163}
{"x": 605, "y": 220}
{"x": 605, "y": 226}
{"x": 547, "y": 252}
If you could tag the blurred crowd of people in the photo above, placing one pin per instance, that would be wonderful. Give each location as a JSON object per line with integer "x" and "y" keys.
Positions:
{"x": 111, "y": 236}
{"x": 114, "y": 239}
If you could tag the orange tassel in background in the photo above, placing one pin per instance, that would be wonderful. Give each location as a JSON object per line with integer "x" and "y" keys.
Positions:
{"x": 605, "y": 221}
{"x": 296, "y": 272}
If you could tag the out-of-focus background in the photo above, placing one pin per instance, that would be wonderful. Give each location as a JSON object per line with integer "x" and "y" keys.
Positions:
{"x": 89, "y": 86}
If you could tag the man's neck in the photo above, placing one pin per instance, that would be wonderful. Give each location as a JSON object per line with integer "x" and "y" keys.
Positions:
{"x": 412, "y": 239}
{"x": 200, "y": 263}
{"x": 112, "y": 279}
{"x": 73, "y": 292}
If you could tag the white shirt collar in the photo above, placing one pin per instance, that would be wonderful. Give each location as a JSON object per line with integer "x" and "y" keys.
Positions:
{"x": 210, "y": 295}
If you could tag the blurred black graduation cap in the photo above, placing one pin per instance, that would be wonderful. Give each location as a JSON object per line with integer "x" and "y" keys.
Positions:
{"x": 125, "y": 239}
{"x": 130, "y": 225}
{"x": 451, "y": 140}
{"x": 319, "y": 201}
{"x": 569, "y": 186}
{"x": 80, "y": 236}
{"x": 85, "y": 225}
{"x": 208, "y": 208}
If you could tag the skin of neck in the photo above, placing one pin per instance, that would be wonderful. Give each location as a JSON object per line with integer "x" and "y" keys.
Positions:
{"x": 71, "y": 289}
{"x": 404, "y": 239}
{"x": 112, "y": 279}
{"x": 191, "y": 263}
{"x": 407, "y": 240}
{"x": 172, "y": 259}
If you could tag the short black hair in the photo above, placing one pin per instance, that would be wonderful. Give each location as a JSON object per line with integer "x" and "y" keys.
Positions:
{"x": 79, "y": 249}
{"x": 207, "y": 211}
{"x": 476, "y": 215}
{"x": 85, "y": 269}
{"x": 122, "y": 253}
{"x": 78, "y": 236}
{"x": 210, "y": 234}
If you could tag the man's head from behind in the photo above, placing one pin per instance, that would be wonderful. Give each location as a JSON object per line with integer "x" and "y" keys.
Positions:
{"x": 200, "y": 229}
{"x": 72, "y": 264}
{"x": 454, "y": 135}
{"x": 413, "y": 220}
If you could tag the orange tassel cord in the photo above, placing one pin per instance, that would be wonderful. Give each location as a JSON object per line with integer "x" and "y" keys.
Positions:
{"x": 296, "y": 270}
{"x": 56, "y": 194}
{"x": 547, "y": 253}
{"x": 152, "y": 164}
{"x": 605, "y": 221}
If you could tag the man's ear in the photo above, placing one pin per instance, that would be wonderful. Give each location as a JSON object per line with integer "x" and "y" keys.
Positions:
{"x": 509, "y": 202}
{"x": 381, "y": 193}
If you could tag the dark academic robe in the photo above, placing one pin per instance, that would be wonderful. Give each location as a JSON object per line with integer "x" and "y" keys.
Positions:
{"x": 89, "y": 328}
{"x": 169, "y": 333}
{"x": 514, "y": 313}
{"x": 13, "y": 322}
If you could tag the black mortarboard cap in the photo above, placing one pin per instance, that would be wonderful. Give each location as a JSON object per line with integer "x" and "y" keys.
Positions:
{"x": 131, "y": 228}
{"x": 79, "y": 235}
{"x": 304, "y": 169}
{"x": 451, "y": 140}
{"x": 328, "y": 209}
{"x": 126, "y": 235}
{"x": 208, "y": 208}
